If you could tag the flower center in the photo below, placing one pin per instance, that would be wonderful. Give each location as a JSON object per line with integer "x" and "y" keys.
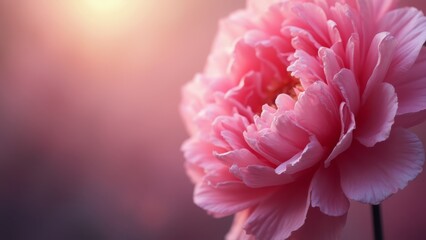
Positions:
{"x": 291, "y": 87}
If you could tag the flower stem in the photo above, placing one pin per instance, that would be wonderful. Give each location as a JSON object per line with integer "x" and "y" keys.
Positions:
{"x": 377, "y": 221}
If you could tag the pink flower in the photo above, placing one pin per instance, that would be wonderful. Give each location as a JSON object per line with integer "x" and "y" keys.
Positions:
{"x": 304, "y": 105}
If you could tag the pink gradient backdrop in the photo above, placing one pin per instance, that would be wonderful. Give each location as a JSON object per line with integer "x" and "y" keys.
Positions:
{"x": 90, "y": 132}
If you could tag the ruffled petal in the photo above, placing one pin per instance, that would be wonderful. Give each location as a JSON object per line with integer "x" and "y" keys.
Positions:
{"x": 411, "y": 87}
{"x": 261, "y": 176}
{"x": 305, "y": 67}
{"x": 320, "y": 225}
{"x": 370, "y": 175}
{"x": 200, "y": 153}
{"x": 345, "y": 81}
{"x": 412, "y": 96}
{"x": 408, "y": 26}
{"x": 380, "y": 8}
{"x": 231, "y": 29}
{"x": 237, "y": 232}
{"x": 317, "y": 111}
{"x": 281, "y": 214}
{"x": 376, "y": 117}
{"x": 227, "y": 198}
{"x": 348, "y": 126}
{"x": 332, "y": 63}
{"x": 377, "y": 64}
{"x": 260, "y": 6}
{"x": 327, "y": 193}
{"x": 314, "y": 20}
{"x": 240, "y": 157}
{"x": 194, "y": 172}
{"x": 271, "y": 146}
{"x": 307, "y": 158}
{"x": 288, "y": 128}
{"x": 279, "y": 137}
{"x": 410, "y": 119}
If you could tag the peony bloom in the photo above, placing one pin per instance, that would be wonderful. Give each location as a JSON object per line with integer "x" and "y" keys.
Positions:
{"x": 302, "y": 106}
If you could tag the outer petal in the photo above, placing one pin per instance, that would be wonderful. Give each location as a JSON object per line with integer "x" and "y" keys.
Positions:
{"x": 322, "y": 226}
{"x": 410, "y": 119}
{"x": 200, "y": 153}
{"x": 278, "y": 216}
{"x": 231, "y": 29}
{"x": 327, "y": 193}
{"x": 237, "y": 232}
{"x": 370, "y": 175}
{"x": 408, "y": 26}
{"x": 376, "y": 117}
{"x": 192, "y": 102}
{"x": 228, "y": 198}
{"x": 411, "y": 87}
{"x": 412, "y": 96}
{"x": 194, "y": 172}
{"x": 260, "y": 6}
{"x": 383, "y": 6}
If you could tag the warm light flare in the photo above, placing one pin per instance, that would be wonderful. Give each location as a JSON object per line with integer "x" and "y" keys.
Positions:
{"x": 104, "y": 30}
{"x": 105, "y": 6}
{"x": 103, "y": 13}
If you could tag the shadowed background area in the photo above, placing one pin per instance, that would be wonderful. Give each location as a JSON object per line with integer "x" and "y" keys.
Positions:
{"x": 90, "y": 130}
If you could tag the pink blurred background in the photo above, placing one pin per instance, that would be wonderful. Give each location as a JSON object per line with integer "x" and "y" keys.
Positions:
{"x": 89, "y": 127}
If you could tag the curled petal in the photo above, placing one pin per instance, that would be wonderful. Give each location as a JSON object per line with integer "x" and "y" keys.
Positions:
{"x": 345, "y": 81}
{"x": 331, "y": 63}
{"x": 311, "y": 155}
{"x": 346, "y": 136}
{"x": 261, "y": 176}
{"x": 377, "y": 64}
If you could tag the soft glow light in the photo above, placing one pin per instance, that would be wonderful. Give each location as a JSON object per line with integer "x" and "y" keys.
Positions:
{"x": 105, "y": 30}
{"x": 105, "y": 13}
{"x": 105, "y": 6}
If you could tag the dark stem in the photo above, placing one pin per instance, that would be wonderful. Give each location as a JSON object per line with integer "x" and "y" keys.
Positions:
{"x": 377, "y": 221}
